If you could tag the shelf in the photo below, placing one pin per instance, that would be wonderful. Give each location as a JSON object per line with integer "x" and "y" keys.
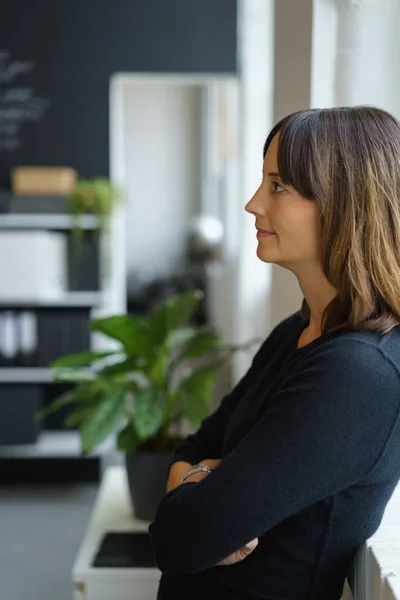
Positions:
{"x": 57, "y": 444}
{"x": 45, "y": 221}
{"x": 26, "y": 375}
{"x": 55, "y": 458}
{"x": 70, "y": 299}
{"x": 49, "y": 444}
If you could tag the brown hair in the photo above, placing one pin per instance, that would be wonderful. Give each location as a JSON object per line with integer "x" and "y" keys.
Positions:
{"x": 347, "y": 160}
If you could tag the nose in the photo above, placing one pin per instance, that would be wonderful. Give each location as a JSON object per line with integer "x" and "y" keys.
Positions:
{"x": 255, "y": 206}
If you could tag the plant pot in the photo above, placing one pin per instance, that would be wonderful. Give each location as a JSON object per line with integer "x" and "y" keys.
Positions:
{"x": 147, "y": 479}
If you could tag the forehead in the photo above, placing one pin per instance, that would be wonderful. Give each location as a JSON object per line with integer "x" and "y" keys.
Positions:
{"x": 271, "y": 157}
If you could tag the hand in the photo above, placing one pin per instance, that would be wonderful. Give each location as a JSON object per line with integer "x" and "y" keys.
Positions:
{"x": 177, "y": 471}
{"x": 240, "y": 554}
{"x": 179, "y": 468}
{"x": 213, "y": 463}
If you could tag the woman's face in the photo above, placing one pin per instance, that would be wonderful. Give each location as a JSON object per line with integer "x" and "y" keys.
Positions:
{"x": 293, "y": 220}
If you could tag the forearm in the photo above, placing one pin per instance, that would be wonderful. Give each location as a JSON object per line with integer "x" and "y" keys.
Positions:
{"x": 176, "y": 472}
{"x": 179, "y": 469}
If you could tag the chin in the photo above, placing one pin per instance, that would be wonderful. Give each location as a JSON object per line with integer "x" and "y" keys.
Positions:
{"x": 267, "y": 257}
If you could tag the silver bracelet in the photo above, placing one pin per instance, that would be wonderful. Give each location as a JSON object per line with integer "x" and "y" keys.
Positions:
{"x": 196, "y": 469}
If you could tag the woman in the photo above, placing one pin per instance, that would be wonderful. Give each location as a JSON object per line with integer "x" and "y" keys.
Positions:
{"x": 304, "y": 454}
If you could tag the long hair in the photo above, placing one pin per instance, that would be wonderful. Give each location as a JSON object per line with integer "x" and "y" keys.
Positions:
{"x": 347, "y": 160}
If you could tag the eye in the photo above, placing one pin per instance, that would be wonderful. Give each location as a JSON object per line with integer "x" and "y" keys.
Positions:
{"x": 277, "y": 187}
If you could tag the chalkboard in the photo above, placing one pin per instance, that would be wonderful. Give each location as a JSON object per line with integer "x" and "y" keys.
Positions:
{"x": 18, "y": 103}
{"x": 56, "y": 60}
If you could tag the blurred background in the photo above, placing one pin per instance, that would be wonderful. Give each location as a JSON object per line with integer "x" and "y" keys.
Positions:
{"x": 131, "y": 136}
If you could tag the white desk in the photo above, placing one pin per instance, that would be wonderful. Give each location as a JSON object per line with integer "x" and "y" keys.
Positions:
{"x": 111, "y": 513}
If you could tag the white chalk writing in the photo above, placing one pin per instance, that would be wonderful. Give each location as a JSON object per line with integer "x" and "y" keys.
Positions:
{"x": 18, "y": 104}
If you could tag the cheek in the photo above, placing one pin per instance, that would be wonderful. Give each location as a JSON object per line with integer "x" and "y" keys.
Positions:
{"x": 294, "y": 221}
{"x": 301, "y": 223}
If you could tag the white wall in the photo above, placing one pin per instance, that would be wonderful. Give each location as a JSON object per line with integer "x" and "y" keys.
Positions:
{"x": 162, "y": 174}
{"x": 256, "y": 66}
{"x": 293, "y": 43}
{"x": 368, "y": 53}
{"x": 324, "y": 51}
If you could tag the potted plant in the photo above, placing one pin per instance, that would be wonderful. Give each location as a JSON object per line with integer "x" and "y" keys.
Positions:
{"x": 96, "y": 196}
{"x": 144, "y": 390}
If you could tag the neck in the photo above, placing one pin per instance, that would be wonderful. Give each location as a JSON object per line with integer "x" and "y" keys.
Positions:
{"x": 318, "y": 293}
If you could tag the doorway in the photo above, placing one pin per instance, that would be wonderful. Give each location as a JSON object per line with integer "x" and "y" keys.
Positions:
{"x": 174, "y": 149}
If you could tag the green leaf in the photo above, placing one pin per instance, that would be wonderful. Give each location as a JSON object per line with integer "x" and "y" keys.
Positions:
{"x": 79, "y": 414}
{"x": 80, "y": 359}
{"x": 102, "y": 421}
{"x": 63, "y": 400}
{"x": 95, "y": 389}
{"x": 150, "y": 405}
{"x": 130, "y": 365}
{"x": 194, "y": 393}
{"x": 128, "y": 440}
{"x": 179, "y": 337}
{"x": 132, "y": 386}
{"x": 201, "y": 343}
{"x": 193, "y": 410}
{"x": 133, "y": 333}
{"x": 173, "y": 313}
{"x": 75, "y": 375}
{"x": 96, "y": 195}
{"x": 158, "y": 371}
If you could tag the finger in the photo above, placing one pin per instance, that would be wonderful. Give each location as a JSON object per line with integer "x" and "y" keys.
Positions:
{"x": 252, "y": 545}
{"x": 240, "y": 554}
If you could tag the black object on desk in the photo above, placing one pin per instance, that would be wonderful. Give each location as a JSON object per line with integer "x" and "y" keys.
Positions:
{"x": 125, "y": 550}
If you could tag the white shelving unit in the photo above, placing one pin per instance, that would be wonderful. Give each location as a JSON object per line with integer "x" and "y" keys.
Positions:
{"x": 70, "y": 299}
{"x": 25, "y": 375}
{"x": 109, "y": 299}
{"x": 45, "y": 221}
{"x": 49, "y": 444}
{"x": 61, "y": 444}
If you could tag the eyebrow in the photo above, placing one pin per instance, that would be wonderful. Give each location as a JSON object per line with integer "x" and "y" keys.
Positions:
{"x": 273, "y": 174}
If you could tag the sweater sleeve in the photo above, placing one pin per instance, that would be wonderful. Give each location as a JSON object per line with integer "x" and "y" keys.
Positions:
{"x": 321, "y": 433}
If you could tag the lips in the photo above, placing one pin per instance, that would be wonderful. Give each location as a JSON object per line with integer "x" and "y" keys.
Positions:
{"x": 264, "y": 230}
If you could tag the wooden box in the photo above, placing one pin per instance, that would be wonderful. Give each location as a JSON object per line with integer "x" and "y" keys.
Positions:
{"x": 42, "y": 180}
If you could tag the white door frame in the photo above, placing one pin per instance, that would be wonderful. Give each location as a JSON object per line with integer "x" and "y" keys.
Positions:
{"x": 220, "y": 168}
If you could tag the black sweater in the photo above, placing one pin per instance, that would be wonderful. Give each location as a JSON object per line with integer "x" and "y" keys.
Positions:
{"x": 310, "y": 448}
